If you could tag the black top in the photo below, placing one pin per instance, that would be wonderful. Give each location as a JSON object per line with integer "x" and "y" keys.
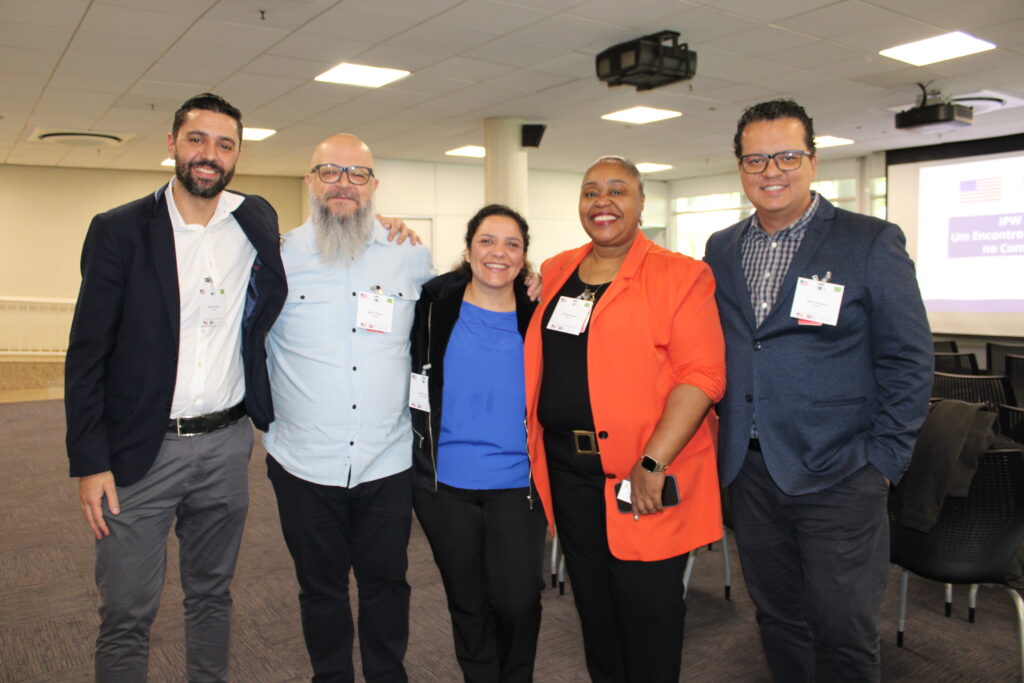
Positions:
{"x": 564, "y": 390}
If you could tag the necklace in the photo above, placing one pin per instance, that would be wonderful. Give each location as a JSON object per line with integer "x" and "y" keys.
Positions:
{"x": 589, "y": 294}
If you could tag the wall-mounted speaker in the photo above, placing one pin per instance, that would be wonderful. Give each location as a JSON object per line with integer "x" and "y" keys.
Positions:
{"x": 532, "y": 133}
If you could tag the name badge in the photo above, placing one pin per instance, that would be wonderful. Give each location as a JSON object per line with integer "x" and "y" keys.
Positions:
{"x": 375, "y": 312}
{"x": 816, "y": 302}
{"x": 419, "y": 396}
{"x": 571, "y": 315}
{"x": 212, "y": 305}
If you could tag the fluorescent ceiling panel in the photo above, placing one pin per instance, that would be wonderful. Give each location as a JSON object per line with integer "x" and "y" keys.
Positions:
{"x": 475, "y": 151}
{"x": 938, "y": 48}
{"x": 642, "y": 115}
{"x": 361, "y": 75}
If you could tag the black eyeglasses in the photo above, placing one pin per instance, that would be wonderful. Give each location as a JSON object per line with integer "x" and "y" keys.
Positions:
{"x": 786, "y": 160}
{"x": 331, "y": 173}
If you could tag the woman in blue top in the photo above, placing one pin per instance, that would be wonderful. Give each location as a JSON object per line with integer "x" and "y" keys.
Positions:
{"x": 473, "y": 494}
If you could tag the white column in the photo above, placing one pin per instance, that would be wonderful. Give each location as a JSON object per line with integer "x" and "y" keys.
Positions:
{"x": 505, "y": 166}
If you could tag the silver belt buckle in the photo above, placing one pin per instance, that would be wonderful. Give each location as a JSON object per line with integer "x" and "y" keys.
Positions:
{"x": 177, "y": 424}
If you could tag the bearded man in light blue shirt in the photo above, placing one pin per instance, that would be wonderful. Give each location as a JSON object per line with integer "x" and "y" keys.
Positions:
{"x": 340, "y": 445}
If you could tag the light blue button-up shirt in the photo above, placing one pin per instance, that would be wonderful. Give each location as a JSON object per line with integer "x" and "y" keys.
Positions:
{"x": 341, "y": 393}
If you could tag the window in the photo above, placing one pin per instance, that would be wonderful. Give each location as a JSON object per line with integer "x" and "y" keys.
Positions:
{"x": 697, "y": 217}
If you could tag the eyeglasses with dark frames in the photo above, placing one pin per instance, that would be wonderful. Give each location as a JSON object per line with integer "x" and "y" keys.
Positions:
{"x": 786, "y": 160}
{"x": 331, "y": 173}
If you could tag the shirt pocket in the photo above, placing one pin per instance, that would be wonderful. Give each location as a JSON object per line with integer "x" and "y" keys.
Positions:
{"x": 309, "y": 318}
{"x": 405, "y": 295}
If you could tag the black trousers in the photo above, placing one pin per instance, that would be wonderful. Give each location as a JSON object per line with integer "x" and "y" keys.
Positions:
{"x": 631, "y": 613}
{"x": 489, "y": 547}
{"x": 330, "y": 530}
{"x": 815, "y": 567}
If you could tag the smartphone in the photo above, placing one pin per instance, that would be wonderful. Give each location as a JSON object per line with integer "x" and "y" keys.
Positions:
{"x": 669, "y": 495}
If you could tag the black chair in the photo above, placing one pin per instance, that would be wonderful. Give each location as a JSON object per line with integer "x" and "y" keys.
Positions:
{"x": 963, "y": 363}
{"x": 1011, "y": 422}
{"x": 1015, "y": 371}
{"x": 975, "y": 540}
{"x": 992, "y": 390}
{"x": 995, "y": 356}
{"x": 945, "y": 346}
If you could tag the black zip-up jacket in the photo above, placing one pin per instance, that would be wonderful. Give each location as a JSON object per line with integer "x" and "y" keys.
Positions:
{"x": 436, "y": 313}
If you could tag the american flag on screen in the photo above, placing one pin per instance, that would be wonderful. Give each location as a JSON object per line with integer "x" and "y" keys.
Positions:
{"x": 981, "y": 190}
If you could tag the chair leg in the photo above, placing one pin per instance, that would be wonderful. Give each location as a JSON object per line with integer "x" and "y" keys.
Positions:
{"x": 902, "y": 623}
{"x": 689, "y": 569}
{"x": 972, "y": 602}
{"x": 1019, "y": 604}
{"x": 725, "y": 560}
{"x": 554, "y": 561}
{"x": 949, "y": 600}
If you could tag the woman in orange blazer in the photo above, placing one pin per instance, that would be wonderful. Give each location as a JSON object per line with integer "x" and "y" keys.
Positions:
{"x": 624, "y": 358}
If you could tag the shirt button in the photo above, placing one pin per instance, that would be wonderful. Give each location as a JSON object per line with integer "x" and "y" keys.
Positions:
{"x": 353, "y": 330}
{"x": 353, "y": 406}
{"x": 757, "y": 346}
{"x": 774, "y": 245}
{"x": 351, "y": 443}
{"x": 602, "y": 435}
{"x": 748, "y": 398}
{"x": 764, "y": 304}
{"x": 767, "y": 273}
{"x": 353, "y": 368}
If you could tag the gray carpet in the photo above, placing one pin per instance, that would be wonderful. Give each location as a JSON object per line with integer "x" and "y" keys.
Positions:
{"x": 48, "y": 599}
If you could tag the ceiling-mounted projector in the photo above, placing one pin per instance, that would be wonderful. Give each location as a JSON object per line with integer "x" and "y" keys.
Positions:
{"x": 934, "y": 117}
{"x": 647, "y": 62}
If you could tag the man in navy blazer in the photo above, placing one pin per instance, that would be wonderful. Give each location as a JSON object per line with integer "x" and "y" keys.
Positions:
{"x": 166, "y": 358}
{"x": 829, "y": 363}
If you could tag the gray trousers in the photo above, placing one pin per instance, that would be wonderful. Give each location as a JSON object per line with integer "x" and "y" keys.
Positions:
{"x": 202, "y": 481}
{"x": 815, "y": 567}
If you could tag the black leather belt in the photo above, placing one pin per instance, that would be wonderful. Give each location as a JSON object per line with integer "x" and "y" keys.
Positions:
{"x": 203, "y": 424}
{"x": 579, "y": 440}
{"x": 754, "y": 445}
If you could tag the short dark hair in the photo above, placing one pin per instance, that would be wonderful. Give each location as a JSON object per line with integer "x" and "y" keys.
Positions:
{"x": 208, "y": 102}
{"x": 487, "y": 212}
{"x": 770, "y": 111}
{"x": 624, "y": 163}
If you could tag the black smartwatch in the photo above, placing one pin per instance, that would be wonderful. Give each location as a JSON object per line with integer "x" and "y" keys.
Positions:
{"x": 652, "y": 465}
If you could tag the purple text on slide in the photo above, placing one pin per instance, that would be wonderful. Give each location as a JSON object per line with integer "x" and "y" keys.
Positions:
{"x": 998, "y": 235}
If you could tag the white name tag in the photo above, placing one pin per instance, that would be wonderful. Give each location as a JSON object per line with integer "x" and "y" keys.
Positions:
{"x": 816, "y": 301}
{"x": 419, "y": 395}
{"x": 570, "y": 315}
{"x": 212, "y": 305}
{"x": 375, "y": 312}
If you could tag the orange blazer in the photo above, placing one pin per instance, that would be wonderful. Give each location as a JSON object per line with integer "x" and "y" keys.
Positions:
{"x": 655, "y": 327}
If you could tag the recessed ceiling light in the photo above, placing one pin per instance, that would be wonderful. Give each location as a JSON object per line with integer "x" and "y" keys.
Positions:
{"x": 167, "y": 162}
{"x": 823, "y": 141}
{"x": 361, "y": 75}
{"x": 641, "y": 115}
{"x": 257, "y": 133}
{"x": 649, "y": 167}
{"x": 938, "y": 48}
{"x": 468, "y": 151}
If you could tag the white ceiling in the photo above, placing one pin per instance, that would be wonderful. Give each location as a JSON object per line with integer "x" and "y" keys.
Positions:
{"x": 124, "y": 66}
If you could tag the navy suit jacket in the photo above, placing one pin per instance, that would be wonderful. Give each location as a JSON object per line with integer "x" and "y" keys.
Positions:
{"x": 122, "y": 357}
{"x": 828, "y": 399}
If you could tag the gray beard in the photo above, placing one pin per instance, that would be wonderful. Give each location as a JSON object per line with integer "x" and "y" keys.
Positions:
{"x": 341, "y": 238}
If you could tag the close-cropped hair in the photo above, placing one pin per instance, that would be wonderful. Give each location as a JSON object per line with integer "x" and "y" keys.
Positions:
{"x": 771, "y": 111}
{"x": 207, "y": 101}
{"x": 624, "y": 163}
{"x": 487, "y": 212}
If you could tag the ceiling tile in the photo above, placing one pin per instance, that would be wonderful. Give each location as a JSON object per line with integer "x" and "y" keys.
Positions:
{"x": 139, "y": 23}
{"x": 512, "y": 52}
{"x": 342, "y": 23}
{"x": 229, "y": 35}
{"x": 419, "y": 10}
{"x": 768, "y": 11}
{"x": 701, "y": 25}
{"x": 632, "y": 14}
{"x": 840, "y": 18}
{"x": 64, "y": 13}
{"x": 21, "y": 34}
{"x": 305, "y": 45}
{"x": 486, "y": 15}
{"x": 286, "y": 15}
{"x": 978, "y": 13}
{"x": 567, "y": 33}
{"x": 464, "y": 69}
{"x": 760, "y": 41}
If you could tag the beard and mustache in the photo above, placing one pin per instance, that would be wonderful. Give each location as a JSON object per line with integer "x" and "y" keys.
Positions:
{"x": 202, "y": 187}
{"x": 341, "y": 238}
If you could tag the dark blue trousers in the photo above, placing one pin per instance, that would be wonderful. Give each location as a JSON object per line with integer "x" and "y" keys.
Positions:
{"x": 815, "y": 566}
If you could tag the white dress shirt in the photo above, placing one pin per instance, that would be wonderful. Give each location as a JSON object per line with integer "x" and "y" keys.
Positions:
{"x": 214, "y": 264}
